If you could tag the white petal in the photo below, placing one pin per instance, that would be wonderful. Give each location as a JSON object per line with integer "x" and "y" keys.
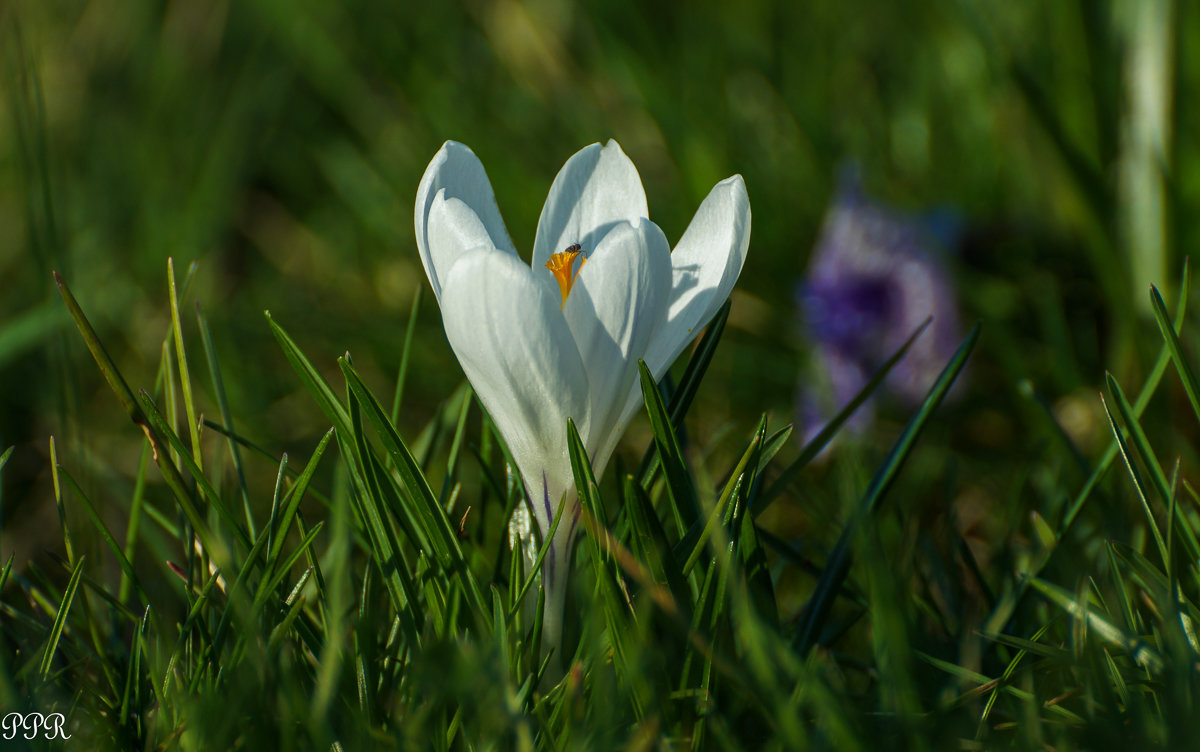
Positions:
{"x": 452, "y": 229}
{"x": 456, "y": 170}
{"x": 619, "y": 300}
{"x": 595, "y": 189}
{"x": 704, "y": 265}
{"x": 515, "y": 348}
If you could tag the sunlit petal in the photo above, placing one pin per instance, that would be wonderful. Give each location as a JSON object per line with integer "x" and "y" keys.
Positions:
{"x": 515, "y": 348}
{"x": 458, "y": 172}
{"x": 453, "y": 228}
{"x": 619, "y": 300}
{"x": 597, "y": 188}
{"x": 704, "y": 265}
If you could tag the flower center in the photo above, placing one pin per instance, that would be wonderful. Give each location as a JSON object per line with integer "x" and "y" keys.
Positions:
{"x": 562, "y": 266}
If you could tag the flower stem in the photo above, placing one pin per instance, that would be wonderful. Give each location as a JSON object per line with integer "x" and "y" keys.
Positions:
{"x": 556, "y": 581}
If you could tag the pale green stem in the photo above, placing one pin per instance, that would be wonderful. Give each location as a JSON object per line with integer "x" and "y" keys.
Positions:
{"x": 556, "y": 581}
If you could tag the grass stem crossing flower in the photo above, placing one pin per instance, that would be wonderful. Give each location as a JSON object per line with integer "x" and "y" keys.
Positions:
{"x": 560, "y": 338}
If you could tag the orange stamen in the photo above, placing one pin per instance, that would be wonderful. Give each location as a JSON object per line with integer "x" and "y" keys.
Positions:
{"x": 562, "y": 266}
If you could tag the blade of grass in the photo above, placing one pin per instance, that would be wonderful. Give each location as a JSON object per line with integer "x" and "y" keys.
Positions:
{"x": 816, "y": 611}
{"x": 680, "y": 490}
{"x": 285, "y": 566}
{"x": 689, "y": 384}
{"x": 1136, "y": 477}
{"x": 387, "y": 554}
{"x": 402, "y": 373}
{"x": 1161, "y": 485}
{"x": 1186, "y": 375}
{"x": 60, "y": 619}
{"x": 1148, "y": 390}
{"x": 1141, "y": 652}
{"x": 650, "y": 542}
{"x": 109, "y": 540}
{"x": 312, "y": 378}
{"x": 435, "y": 524}
{"x": 536, "y": 567}
{"x": 789, "y": 474}
{"x": 158, "y": 445}
{"x": 718, "y": 511}
{"x": 208, "y": 492}
{"x": 618, "y": 610}
{"x": 185, "y": 378}
{"x": 58, "y": 503}
{"x": 218, "y": 383}
{"x": 295, "y": 495}
{"x": 1007, "y": 605}
{"x": 133, "y": 675}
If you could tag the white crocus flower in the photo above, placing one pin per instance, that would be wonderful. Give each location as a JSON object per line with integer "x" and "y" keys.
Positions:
{"x": 561, "y": 338}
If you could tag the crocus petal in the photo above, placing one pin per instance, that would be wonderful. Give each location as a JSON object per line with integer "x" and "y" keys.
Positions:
{"x": 595, "y": 189}
{"x": 456, "y": 173}
{"x": 619, "y": 300}
{"x": 452, "y": 229}
{"x": 509, "y": 335}
{"x": 705, "y": 265}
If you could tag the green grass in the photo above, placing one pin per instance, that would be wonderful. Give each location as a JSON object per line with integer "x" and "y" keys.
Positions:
{"x": 220, "y": 530}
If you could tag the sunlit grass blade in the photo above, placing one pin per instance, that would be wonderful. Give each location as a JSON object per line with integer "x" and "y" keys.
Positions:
{"x": 826, "y": 434}
{"x": 689, "y": 384}
{"x": 816, "y": 611}
{"x": 107, "y": 368}
{"x": 60, "y": 619}
{"x": 535, "y": 568}
{"x": 1141, "y": 652}
{"x": 436, "y": 526}
{"x": 772, "y": 446}
{"x": 284, "y": 566}
{"x": 759, "y": 582}
{"x": 1182, "y": 366}
{"x": 718, "y": 511}
{"x": 295, "y": 495}
{"x": 185, "y": 377}
{"x": 125, "y": 396}
{"x": 986, "y": 684}
{"x": 280, "y": 630}
{"x": 126, "y": 567}
{"x": 1148, "y": 390}
{"x": 680, "y": 488}
{"x": 615, "y": 600}
{"x": 133, "y": 677}
{"x": 59, "y": 506}
{"x": 651, "y": 545}
{"x": 386, "y": 548}
{"x": 5, "y": 571}
{"x": 207, "y": 491}
{"x": 1161, "y": 485}
{"x": 1138, "y": 484}
{"x": 312, "y": 378}
{"x": 1007, "y": 604}
{"x": 1024, "y": 647}
{"x": 402, "y": 372}
{"x": 218, "y": 383}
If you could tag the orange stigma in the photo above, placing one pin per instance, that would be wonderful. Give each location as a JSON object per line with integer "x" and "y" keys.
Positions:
{"x": 562, "y": 266}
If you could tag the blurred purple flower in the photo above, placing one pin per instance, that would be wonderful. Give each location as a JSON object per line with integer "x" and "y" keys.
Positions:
{"x": 875, "y": 276}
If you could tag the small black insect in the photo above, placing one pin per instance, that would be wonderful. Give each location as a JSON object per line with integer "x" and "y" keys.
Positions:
{"x": 573, "y": 248}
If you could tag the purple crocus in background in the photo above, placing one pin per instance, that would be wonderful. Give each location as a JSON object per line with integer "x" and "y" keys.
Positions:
{"x": 875, "y": 275}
